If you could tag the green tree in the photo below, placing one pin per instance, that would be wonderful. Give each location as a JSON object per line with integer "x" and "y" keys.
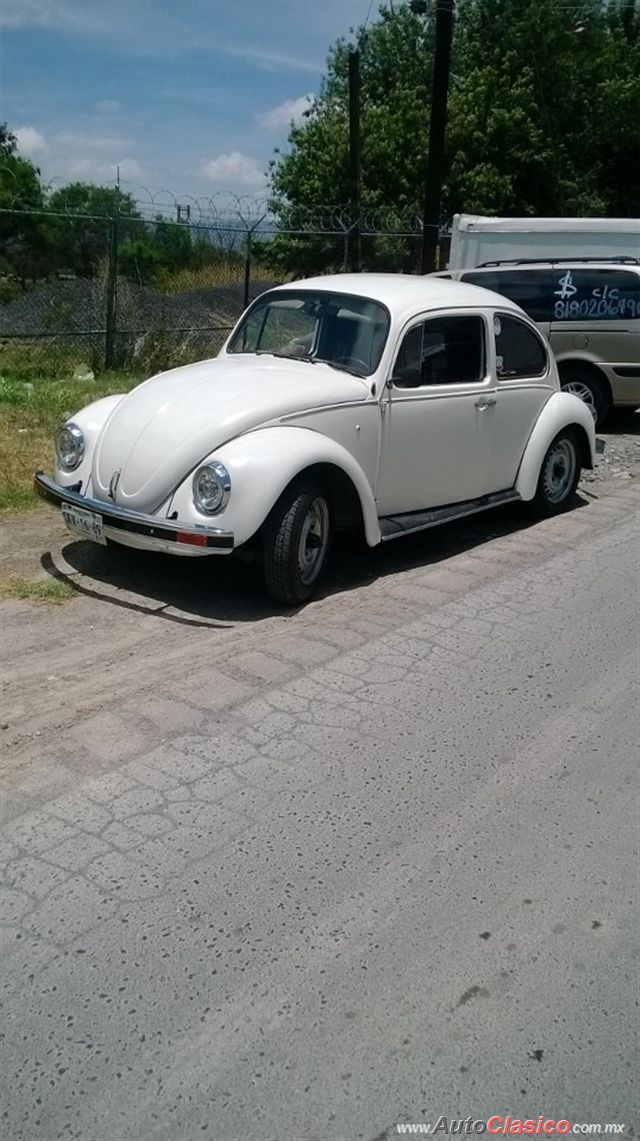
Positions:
{"x": 395, "y": 65}
{"x": 79, "y": 224}
{"x": 543, "y": 115}
{"x": 538, "y": 98}
{"x": 158, "y": 247}
{"x": 22, "y": 241}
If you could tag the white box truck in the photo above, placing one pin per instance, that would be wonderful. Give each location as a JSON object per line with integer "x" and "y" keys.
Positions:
{"x": 477, "y": 240}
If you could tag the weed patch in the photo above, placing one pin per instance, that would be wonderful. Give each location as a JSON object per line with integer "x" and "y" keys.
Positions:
{"x": 30, "y": 413}
{"x": 36, "y": 590}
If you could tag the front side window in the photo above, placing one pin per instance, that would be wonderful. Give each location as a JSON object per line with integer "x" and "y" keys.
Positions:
{"x": 529, "y": 288}
{"x": 519, "y": 350}
{"x": 443, "y": 350}
{"x": 595, "y": 294}
{"x": 344, "y": 331}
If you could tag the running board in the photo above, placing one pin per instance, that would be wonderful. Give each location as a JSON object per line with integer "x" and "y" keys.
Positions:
{"x": 395, "y": 526}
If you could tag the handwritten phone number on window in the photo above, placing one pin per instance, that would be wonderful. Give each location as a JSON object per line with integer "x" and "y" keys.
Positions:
{"x": 597, "y": 307}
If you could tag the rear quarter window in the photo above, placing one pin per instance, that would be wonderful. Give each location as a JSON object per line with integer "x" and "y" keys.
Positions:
{"x": 519, "y": 350}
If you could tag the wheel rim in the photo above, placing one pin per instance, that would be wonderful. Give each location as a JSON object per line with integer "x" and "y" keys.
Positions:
{"x": 579, "y": 388}
{"x": 559, "y": 471}
{"x": 314, "y": 538}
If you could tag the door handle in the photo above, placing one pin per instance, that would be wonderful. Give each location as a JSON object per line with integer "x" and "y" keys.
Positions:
{"x": 484, "y": 402}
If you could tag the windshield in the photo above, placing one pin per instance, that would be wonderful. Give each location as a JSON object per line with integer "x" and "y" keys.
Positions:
{"x": 345, "y": 331}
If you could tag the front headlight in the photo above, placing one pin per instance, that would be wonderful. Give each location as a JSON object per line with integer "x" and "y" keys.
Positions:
{"x": 211, "y": 488}
{"x": 69, "y": 446}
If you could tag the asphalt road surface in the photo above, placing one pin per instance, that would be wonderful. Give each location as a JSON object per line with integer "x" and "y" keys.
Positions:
{"x": 307, "y": 876}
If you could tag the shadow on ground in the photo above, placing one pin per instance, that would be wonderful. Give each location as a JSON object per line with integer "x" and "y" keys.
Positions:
{"x": 215, "y": 590}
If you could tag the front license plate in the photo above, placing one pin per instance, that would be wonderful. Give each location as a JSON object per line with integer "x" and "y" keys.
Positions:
{"x": 84, "y": 523}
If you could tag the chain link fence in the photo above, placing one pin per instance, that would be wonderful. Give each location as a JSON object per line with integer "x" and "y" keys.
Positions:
{"x": 164, "y": 283}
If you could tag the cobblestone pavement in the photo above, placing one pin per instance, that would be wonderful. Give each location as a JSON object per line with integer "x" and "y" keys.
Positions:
{"x": 305, "y": 876}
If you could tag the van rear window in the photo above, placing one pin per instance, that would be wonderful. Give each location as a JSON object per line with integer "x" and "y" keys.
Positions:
{"x": 563, "y": 294}
{"x": 595, "y": 294}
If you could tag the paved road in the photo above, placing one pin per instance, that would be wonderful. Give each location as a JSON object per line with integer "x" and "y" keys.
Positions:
{"x": 307, "y": 877}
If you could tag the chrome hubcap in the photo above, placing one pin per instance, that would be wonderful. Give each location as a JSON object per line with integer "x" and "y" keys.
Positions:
{"x": 314, "y": 538}
{"x": 584, "y": 392}
{"x": 559, "y": 471}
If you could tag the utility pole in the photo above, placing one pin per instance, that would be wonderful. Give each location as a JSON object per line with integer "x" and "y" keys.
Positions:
{"x": 355, "y": 173}
{"x": 437, "y": 128}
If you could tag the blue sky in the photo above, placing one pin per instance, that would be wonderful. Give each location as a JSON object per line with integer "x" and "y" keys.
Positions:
{"x": 188, "y": 95}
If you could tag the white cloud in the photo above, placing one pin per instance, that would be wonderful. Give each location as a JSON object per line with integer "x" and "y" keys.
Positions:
{"x": 234, "y": 169}
{"x": 89, "y": 168}
{"x": 280, "y": 118}
{"x": 72, "y": 156}
{"x": 103, "y": 144}
{"x": 107, "y": 106}
{"x": 31, "y": 143}
{"x": 277, "y": 60}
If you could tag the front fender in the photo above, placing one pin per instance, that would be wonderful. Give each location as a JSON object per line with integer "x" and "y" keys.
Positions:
{"x": 261, "y": 464}
{"x": 562, "y": 410}
{"x": 91, "y": 420}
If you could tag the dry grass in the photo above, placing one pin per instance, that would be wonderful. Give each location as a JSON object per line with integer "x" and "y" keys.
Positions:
{"x": 29, "y": 416}
{"x": 26, "y": 446}
{"x": 207, "y": 277}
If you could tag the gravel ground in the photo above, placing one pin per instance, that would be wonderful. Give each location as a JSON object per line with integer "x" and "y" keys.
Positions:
{"x": 621, "y": 457}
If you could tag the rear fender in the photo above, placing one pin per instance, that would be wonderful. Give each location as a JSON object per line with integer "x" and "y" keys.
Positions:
{"x": 261, "y": 465}
{"x": 562, "y": 410}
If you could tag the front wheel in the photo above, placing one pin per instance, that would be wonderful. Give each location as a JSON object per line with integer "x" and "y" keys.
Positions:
{"x": 297, "y": 539}
{"x": 559, "y": 475}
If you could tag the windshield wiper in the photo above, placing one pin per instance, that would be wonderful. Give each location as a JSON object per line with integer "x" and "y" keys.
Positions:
{"x": 284, "y": 356}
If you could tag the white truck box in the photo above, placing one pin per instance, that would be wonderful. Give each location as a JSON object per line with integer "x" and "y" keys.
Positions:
{"x": 476, "y": 240}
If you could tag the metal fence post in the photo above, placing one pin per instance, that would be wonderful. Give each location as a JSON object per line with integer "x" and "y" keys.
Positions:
{"x": 111, "y": 293}
{"x": 247, "y": 269}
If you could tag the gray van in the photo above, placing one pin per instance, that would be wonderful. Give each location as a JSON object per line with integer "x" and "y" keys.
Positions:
{"x": 589, "y": 310}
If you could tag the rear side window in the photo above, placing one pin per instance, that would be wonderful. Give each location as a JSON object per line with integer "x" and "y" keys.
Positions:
{"x": 595, "y": 294}
{"x": 519, "y": 350}
{"x": 531, "y": 289}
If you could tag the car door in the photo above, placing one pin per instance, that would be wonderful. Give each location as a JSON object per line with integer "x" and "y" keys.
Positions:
{"x": 437, "y": 414}
{"x": 526, "y": 380}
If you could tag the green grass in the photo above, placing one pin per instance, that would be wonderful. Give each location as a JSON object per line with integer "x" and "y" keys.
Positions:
{"x": 30, "y": 413}
{"x": 36, "y": 590}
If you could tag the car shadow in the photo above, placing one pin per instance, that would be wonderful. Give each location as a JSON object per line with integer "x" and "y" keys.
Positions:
{"x": 224, "y": 592}
{"x": 621, "y": 422}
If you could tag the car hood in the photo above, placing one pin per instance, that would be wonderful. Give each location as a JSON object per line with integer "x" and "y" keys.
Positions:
{"x": 158, "y": 433}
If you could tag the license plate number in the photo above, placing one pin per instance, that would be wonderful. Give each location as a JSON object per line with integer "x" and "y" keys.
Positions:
{"x": 84, "y": 523}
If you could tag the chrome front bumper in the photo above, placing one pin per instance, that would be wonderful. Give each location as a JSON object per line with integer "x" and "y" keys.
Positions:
{"x": 134, "y": 522}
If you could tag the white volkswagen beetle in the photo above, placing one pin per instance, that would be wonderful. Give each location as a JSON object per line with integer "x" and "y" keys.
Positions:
{"x": 378, "y": 401}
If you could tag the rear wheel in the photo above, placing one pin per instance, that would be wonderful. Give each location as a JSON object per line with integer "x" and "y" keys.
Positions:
{"x": 559, "y": 475}
{"x": 590, "y": 388}
{"x": 297, "y": 539}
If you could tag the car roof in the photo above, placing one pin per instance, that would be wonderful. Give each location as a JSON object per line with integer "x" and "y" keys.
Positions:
{"x": 405, "y": 294}
{"x": 527, "y": 264}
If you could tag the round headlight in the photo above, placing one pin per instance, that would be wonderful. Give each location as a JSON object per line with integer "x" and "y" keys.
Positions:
{"x": 211, "y": 488}
{"x": 69, "y": 446}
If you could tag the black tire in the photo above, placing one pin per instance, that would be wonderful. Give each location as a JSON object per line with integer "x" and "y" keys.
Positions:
{"x": 559, "y": 476}
{"x": 591, "y": 389}
{"x": 297, "y": 539}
